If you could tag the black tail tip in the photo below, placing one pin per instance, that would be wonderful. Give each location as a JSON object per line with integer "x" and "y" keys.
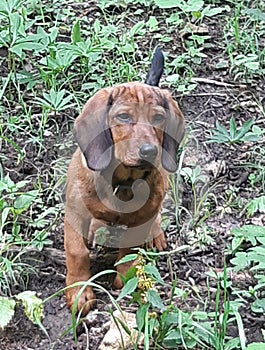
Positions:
{"x": 158, "y": 53}
{"x": 156, "y": 69}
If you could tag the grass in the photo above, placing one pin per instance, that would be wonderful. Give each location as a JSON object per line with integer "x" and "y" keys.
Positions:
{"x": 52, "y": 58}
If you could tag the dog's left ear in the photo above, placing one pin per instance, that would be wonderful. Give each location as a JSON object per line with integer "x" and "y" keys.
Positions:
{"x": 173, "y": 133}
{"x": 92, "y": 132}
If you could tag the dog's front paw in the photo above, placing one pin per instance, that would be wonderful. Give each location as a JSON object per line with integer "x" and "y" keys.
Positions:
{"x": 159, "y": 242}
{"x": 84, "y": 302}
{"x": 117, "y": 283}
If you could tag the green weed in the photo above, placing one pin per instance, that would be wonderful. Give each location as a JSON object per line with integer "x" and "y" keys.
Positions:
{"x": 51, "y": 61}
{"x": 14, "y": 214}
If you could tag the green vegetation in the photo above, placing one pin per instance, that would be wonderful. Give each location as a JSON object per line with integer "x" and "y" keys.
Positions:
{"x": 53, "y": 57}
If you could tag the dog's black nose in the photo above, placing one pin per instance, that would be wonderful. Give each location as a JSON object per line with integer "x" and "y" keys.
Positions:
{"x": 148, "y": 152}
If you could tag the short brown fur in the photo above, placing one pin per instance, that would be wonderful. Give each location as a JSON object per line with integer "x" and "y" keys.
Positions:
{"x": 85, "y": 211}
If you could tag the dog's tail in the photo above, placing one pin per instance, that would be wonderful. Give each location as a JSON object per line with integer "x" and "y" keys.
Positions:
{"x": 157, "y": 67}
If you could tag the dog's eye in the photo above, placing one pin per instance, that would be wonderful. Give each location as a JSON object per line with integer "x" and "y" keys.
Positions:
{"x": 157, "y": 119}
{"x": 124, "y": 118}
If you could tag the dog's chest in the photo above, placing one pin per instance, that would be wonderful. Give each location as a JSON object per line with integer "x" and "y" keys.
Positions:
{"x": 125, "y": 206}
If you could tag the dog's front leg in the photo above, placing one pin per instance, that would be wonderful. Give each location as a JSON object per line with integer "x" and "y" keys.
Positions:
{"x": 156, "y": 240}
{"x": 123, "y": 268}
{"x": 78, "y": 268}
{"x": 157, "y": 236}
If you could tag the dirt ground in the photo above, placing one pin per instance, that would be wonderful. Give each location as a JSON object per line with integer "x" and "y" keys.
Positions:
{"x": 215, "y": 99}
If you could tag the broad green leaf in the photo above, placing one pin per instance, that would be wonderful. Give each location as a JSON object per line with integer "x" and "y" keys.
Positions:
{"x": 256, "y": 255}
{"x": 243, "y": 59}
{"x": 127, "y": 258}
{"x": 258, "y": 306}
{"x": 96, "y": 26}
{"x": 154, "y": 299}
{"x": 210, "y": 12}
{"x": 241, "y": 261}
{"x": 261, "y": 240}
{"x": 3, "y": 186}
{"x": 33, "y": 306}
{"x": 172, "y": 339}
{"x": 236, "y": 242}
{"x": 26, "y": 46}
{"x": 25, "y": 200}
{"x": 137, "y": 28}
{"x": 200, "y": 315}
{"x": 245, "y": 128}
{"x": 249, "y": 231}
{"x": 232, "y": 128}
{"x": 167, "y": 4}
{"x": 256, "y": 14}
{"x": 196, "y": 14}
{"x": 187, "y": 173}
{"x": 254, "y": 66}
{"x": 221, "y": 129}
{"x": 127, "y": 48}
{"x": 256, "y": 346}
{"x": 152, "y": 23}
{"x": 130, "y": 273}
{"x": 197, "y": 171}
{"x": 76, "y": 33}
{"x": 256, "y": 204}
{"x": 251, "y": 137}
{"x": 140, "y": 315}
{"x": 192, "y": 6}
{"x": 64, "y": 103}
{"x": 129, "y": 288}
{"x": 191, "y": 340}
{"x": 4, "y": 215}
{"x": 152, "y": 271}
{"x": 7, "y": 310}
{"x": 20, "y": 184}
{"x": 172, "y": 319}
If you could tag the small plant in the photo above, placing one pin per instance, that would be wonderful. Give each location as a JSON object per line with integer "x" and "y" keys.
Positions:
{"x": 13, "y": 203}
{"x": 226, "y": 312}
{"x": 250, "y": 258}
{"x": 242, "y": 43}
{"x": 231, "y": 200}
{"x": 32, "y": 306}
{"x": 234, "y": 135}
{"x": 14, "y": 206}
{"x": 55, "y": 100}
{"x": 194, "y": 176}
{"x": 256, "y": 205}
{"x": 163, "y": 324}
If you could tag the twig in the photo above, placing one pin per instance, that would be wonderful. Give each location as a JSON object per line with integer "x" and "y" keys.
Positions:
{"x": 216, "y": 82}
{"x": 209, "y": 94}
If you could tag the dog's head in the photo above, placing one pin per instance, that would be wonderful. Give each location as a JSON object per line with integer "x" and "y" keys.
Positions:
{"x": 137, "y": 124}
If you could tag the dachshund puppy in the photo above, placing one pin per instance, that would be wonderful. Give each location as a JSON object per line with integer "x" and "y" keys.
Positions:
{"x": 128, "y": 136}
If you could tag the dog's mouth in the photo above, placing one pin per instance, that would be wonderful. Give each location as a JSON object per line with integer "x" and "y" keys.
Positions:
{"x": 128, "y": 184}
{"x": 140, "y": 164}
{"x": 144, "y": 165}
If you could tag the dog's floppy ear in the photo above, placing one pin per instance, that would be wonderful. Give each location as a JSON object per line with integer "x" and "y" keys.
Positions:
{"x": 92, "y": 132}
{"x": 156, "y": 69}
{"x": 173, "y": 134}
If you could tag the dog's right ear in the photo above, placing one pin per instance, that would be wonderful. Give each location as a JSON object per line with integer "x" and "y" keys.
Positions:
{"x": 173, "y": 133}
{"x": 156, "y": 69}
{"x": 92, "y": 132}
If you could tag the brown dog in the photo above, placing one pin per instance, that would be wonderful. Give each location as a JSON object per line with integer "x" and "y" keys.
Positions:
{"x": 128, "y": 136}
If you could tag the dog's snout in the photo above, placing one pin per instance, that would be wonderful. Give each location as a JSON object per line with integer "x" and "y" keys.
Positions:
{"x": 148, "y": 151}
